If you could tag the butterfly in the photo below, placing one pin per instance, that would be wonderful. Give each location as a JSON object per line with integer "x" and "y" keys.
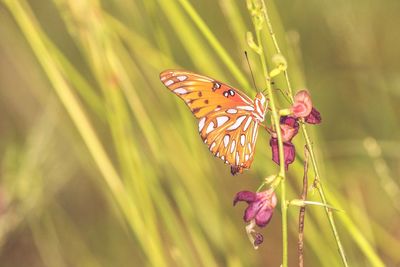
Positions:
{"x": 228, "y": 119}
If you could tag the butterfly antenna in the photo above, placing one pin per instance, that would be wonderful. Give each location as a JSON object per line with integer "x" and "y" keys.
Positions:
{"x": 266, "y": 94}
{"x": 251, "y": 72}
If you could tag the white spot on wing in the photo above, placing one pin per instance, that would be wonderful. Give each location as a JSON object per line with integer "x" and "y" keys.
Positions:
{"x": 237, "y": 123}
{"x": 169, "y": 82}
{"x": 249, "y": 108}
{"x": 212, "y": 145}
{"x": 182, "y": 78}
{"x": 246, "y": 157}
{"x": 226, "y": 140}
{"x": 232, "y": 111}
{"x": 217, "y": 155}
{"x": 223, "y": 158}
{"x": 201, "y": 123}
{"x": 259, "y": 109}
{"x": 210, "y": 127}
{"x": 247, "y": 124}
{"x": 242, "y": 139}
{"x": 233, "y": 146}
{"x": 254, "y": 134}
{"x": 180, "y": 91}
{"x": 221, "y": 120}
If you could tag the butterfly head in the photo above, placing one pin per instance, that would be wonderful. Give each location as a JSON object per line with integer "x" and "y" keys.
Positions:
{"x": 260, "y": 103}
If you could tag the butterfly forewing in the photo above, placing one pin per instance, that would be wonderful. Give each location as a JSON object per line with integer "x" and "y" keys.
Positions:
{"x": 202, "y": 94}
{"x": 226, "y": 116}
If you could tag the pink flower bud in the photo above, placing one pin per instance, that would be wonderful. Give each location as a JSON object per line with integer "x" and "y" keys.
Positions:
{"x": 302, "y": 105}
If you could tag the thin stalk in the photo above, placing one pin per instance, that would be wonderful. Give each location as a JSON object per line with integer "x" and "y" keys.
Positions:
{"x": 318, "y": 185}
{"x": 302, "y": 212}
{"x": 215, "y": 44}
{"x": 282, "y": 174}
{"x": 309, "y": 147}
{"x": 278, "y": 50}
{"x": 354, "y": 231}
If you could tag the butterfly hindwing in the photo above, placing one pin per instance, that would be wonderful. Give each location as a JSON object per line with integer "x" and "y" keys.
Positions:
{"x": 230, "y": 137}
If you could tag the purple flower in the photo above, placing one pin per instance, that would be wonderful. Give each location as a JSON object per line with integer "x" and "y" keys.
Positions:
{"x": 289, "y": 152}
{"x": 260, "y": 206}
{"x": 289, "y": 128}
{"x": 314, "y": 117}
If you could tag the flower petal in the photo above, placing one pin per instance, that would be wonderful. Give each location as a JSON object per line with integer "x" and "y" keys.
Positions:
{"x": 289, "y": 152}
{"x": 288, "y": 132}
{"x": 288, "y": 120}
{"x": 314, "y": 117}
{"x": 263, "y": 217}
{"x": 275, "y": 150}
{"x": 302, "y": 104}
{"x": 251, "y": 211}
{"x": 289, "y": 128}
{"x": 244, "y": 196}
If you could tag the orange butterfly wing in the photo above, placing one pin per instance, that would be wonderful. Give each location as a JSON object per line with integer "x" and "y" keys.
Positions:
{"x": 227, "y": 122}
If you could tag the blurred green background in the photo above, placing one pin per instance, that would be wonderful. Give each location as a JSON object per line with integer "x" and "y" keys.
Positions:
{"x": 102, "y": 166}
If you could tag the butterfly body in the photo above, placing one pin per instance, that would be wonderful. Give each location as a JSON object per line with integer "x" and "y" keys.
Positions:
{"x": 228, "y": 119}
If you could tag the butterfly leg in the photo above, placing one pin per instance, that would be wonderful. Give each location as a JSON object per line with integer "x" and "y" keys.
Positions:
{"x": 265, "y": 127}
{"x": 285, "y": 94}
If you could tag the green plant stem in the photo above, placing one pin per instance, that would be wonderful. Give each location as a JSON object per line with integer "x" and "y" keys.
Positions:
{"x": 309, "y": 147}
{"x": 213, "y": 41}
{"x": 354, "y": 231}
{"x": 318, "y": 185}
{"x": 282, "y": 174}
{"x": 278, "y": 50}
{"x": 302, "y": 213}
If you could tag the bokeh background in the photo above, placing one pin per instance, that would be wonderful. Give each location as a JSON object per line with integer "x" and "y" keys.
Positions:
{"x": 102, "y": 166}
